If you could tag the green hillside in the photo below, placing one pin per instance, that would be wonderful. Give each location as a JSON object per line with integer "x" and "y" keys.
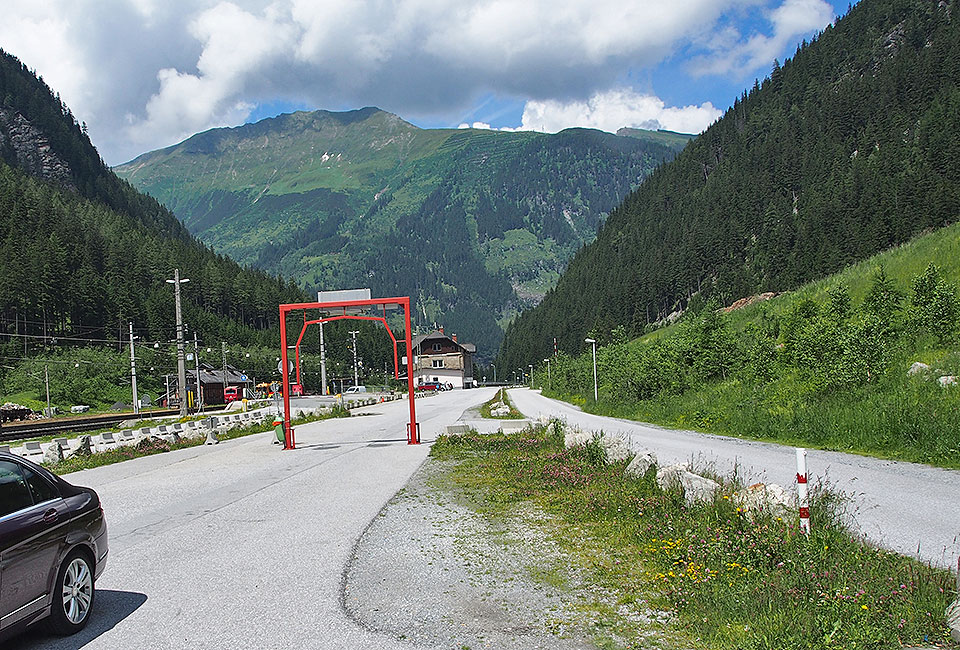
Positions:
{"x": 475, "y": 224}
{"x": 828, "y": 365}
{"x": 847, "y": 149}
{"x": 82, "y": 253}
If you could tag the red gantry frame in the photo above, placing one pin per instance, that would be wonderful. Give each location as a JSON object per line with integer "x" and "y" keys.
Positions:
{"x": 344, "y": 306}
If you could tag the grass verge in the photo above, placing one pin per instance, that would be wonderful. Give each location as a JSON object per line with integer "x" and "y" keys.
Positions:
{"x": 153, "y": 446}
{"x": 500, "y": 398}
{"x": 727, "y": 582}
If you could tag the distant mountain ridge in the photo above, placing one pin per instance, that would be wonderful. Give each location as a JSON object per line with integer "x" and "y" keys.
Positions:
{"x": 843, "y": 151}
{"x": 474, "y": 224}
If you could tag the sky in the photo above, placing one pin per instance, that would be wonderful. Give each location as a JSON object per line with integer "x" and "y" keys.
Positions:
{"x": 146, "y": 74}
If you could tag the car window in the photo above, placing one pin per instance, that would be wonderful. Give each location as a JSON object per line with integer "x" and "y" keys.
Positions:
{"x": 14, "y": 493}
{"x": 41, "y": 489}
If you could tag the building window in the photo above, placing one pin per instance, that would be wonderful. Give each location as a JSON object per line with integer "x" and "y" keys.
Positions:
{"x": 437, "y": 347}
{"x": 438, "y": 363}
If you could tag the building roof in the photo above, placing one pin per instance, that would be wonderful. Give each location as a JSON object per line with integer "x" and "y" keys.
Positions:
{"x": 437, "y": 335}
{"x": 210, "y": 374}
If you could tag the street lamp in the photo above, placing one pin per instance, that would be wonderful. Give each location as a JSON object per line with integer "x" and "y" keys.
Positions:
{"x": 596, "y": 393}
{"x": 494, "y": 366}
{"x": 530, "y": 365}
{"x": 549, "y": 376}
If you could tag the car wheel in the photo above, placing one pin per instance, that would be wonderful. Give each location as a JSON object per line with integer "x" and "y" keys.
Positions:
{"x": 73, "y": 595}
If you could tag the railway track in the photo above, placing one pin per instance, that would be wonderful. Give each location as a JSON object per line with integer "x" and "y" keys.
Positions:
{"x": 50, "y": 427}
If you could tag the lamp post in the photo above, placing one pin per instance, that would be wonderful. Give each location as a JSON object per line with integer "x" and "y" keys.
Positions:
{"x": 181, "y": 368}
{"x": 494, "y": 366}
{"x": 596, "y": 393}
{"x": 530, "y": 365}
{"x": 549, "y": 375}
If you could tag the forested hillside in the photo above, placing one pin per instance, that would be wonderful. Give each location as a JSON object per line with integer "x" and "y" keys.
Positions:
{"x": 83, "y": 253}
{"x": 851, "y": 146}
{"x": 473, "y": 224}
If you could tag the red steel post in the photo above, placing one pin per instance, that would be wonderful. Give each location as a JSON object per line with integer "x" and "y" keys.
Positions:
{"x": 288, "y": 441}
{"x": 413, "y": 437}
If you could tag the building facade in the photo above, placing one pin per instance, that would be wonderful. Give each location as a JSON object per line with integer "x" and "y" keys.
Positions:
{"x": 439, "y": 357}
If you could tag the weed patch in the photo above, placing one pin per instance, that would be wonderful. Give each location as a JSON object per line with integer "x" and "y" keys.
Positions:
{"x": 719, "y": 579}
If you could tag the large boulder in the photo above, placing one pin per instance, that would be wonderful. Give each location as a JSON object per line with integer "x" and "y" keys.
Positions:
{"x": 761, "y": 498}
{"x": 84, "y": 447}
{"x": 616, "y": 447}
{"x": 641, "y": 464}
{"x": 918, "y": 368}
{"x": 53, "y": 454}
{"x": 696, "y": 488}
{"x": 573, "y": 437}
{"x": 699, "y": 489}
{"x": 670, "y": 476}
{"x": 948, "y": 380}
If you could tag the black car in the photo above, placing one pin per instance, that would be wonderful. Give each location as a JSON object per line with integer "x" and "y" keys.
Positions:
{"x": 53, "y": 547}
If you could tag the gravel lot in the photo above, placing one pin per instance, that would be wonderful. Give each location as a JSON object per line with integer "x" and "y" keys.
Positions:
{"x": 458, "y": 580}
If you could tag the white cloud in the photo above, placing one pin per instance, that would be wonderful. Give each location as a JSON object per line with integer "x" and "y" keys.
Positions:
{"x": 790, "y": 20}
{"x": 147, "y": 73}
{"x": 613, "y": 109}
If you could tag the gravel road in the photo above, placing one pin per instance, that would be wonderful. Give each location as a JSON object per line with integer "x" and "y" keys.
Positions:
{"x": 906, "y": 507}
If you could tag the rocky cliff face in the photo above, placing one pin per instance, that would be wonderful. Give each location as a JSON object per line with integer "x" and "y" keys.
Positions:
{"x": 23, "y": 145}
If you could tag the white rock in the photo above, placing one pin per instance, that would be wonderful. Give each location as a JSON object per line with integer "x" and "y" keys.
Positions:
{"x": 575, "y": 437}
{"x": 953, "y": 620}
{"x": 917, "y": 368}
{"x": 948, "y": 380}
{"x": 616, "y": 447}
{"x": 699, "y": 489}
{"x": 641, "y": 464}
{"x": 52, "y": 454}
{"x": 83, "y": 447}
{"x": 670, "y": 476}
{"x": 696, "y": 488}
{"x": 759, "y": 497}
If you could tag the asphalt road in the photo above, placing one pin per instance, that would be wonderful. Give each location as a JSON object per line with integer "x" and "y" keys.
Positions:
{"x": 242, "y": 545}
{"x": 906, "y": 507}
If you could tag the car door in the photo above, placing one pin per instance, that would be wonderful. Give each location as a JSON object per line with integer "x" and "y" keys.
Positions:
{"x": 33, "y": 518}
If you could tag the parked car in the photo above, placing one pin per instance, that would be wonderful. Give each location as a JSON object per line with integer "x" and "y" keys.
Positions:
{"x": 355, "y": 389}
{"x": 431, "y": 385}
{"x": 53, "y": 541}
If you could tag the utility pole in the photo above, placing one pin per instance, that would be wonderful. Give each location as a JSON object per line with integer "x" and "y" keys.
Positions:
{"x": 223, "y": 350}
{"x": 46, "y": 381}
{"x": 133, "y": 374}
{"x": 196, "y": 359}
{"x": 181, "y": 368}
{"x": 356, "y": 379}
{"x": 323, "y": 364}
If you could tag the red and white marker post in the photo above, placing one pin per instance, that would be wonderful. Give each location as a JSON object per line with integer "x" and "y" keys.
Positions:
{"x": 803, "y": 499}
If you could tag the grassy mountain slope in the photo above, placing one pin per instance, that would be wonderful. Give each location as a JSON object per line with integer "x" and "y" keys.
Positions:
{"x": 475, "y": 224}
{"x": 845, "y": 150}
{"x": 83, "y": 253}
{"x": 827, "y": 365}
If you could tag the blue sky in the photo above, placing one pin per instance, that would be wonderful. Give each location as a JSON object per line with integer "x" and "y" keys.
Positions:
{"x": 145, "y": 74}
